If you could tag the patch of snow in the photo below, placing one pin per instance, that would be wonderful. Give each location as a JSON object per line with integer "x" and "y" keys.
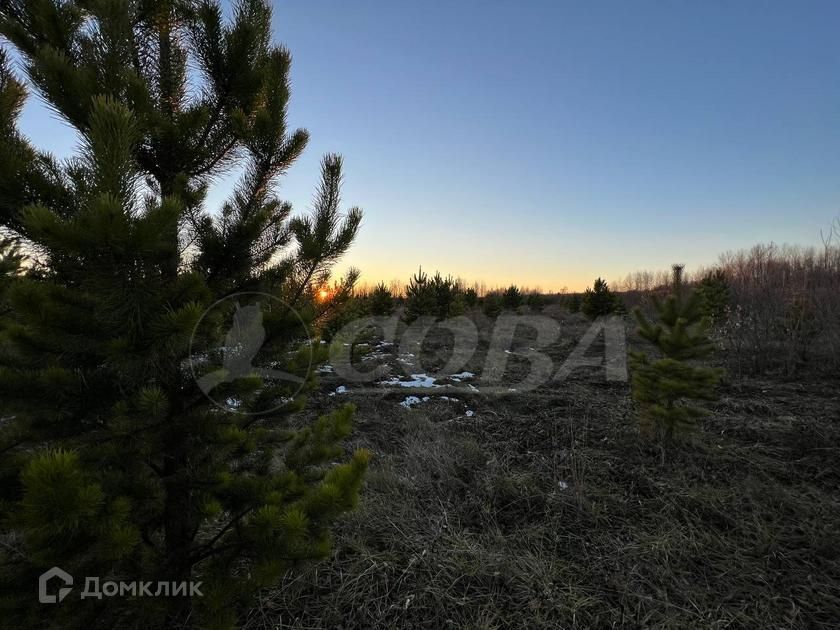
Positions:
{"x": 410, "y": 401}
{"x": 470, "y": 413}
{"x": 461, "y": 376}
{"x": 325, "y": 369}
{"x": 417, "y": 380}
{"x": 341, "y": 389}
{"x": 562, "y": 485}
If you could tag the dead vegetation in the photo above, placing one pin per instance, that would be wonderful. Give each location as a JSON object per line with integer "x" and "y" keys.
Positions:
{"x": 546, "y": 509}
{"x": 783, "y": 312}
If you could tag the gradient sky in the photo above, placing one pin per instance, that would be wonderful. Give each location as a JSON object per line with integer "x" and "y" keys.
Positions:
{"x": 546, "y": 143}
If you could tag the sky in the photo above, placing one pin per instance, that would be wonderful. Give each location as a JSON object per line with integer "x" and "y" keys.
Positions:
{"x": 546, "y": 143}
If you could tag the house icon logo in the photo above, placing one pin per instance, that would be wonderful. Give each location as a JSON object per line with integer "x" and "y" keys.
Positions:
{"x": 43, "y": 581}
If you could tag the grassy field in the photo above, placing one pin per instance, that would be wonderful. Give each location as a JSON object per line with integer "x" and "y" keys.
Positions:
{"x": 546, "y": 509}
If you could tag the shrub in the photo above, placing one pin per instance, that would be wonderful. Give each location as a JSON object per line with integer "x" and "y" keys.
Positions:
{"x": 785, "y": 301}
{"x": 574, "y": 303}
{"x": 800, "y": 328}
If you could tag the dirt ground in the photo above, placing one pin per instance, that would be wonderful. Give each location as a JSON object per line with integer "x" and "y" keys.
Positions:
{"x": 547, "y": 509}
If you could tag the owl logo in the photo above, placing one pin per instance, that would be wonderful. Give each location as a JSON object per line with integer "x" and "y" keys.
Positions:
{"x": 242, "y": 345}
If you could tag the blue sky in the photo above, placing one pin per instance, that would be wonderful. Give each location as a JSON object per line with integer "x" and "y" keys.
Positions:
{"x": 547, "y": 143}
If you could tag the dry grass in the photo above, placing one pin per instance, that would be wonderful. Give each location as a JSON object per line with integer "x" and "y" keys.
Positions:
{"x": 547, "y": 510}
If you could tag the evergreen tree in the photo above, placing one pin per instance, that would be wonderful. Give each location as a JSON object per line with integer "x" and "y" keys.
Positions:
{"x": 11, "y": 260}
{"x": 470, "y": 298}
{"x": 342, "y": 306}
{"x": 492, "y": 306}
{"x": 115, "y": 462}
{"x": 419, "y": 297}
{"x": 448, "y": 302}
{"x": 444, "y": 292}
{"x": 536, "y": 301}
{"x": 512, "y": 297}
{"x": 598, "y": 300}
{"x": 457, "y": 306}
{"x": 664, "y": 387}
{"x": 381, "y": 300}
{"x": 714, "y": 289}
{"x": 574, "y": 303}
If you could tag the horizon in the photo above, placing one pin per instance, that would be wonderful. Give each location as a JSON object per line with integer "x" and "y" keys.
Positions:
{"x": 550, "y": 146}
{"x": 615, "y": 406}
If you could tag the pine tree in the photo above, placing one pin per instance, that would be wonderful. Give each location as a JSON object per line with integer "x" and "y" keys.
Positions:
{"x": 574, "y": 303}
{"x": 447, "y": 297}
{"x": 381, "y": 300}
{"x": 512, "y": 297}
{"x": 342, "y": 305}
{"x": 714, "y": 289}
{"x": 444, "y": 293}
{"x": 458, "y": 305}
{"x": 492, "y": 306}
{"x": 664, "y": 387}
{"x": 11, "y": 261}
{"x": 598, "y": 301}
{"x": 115, "y": 462}
{"x": 470, "y": 298}
{"x": 536, "y": 300}
{"x": 419, "y": 297}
